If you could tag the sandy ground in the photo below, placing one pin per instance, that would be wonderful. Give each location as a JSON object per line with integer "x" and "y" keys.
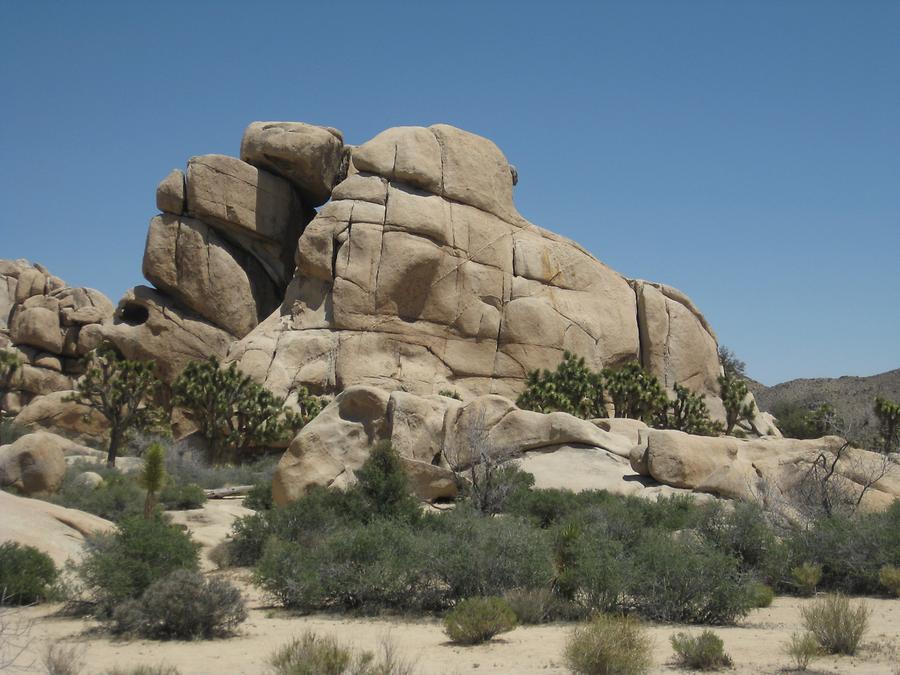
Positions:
{"x": 755, "y": 645}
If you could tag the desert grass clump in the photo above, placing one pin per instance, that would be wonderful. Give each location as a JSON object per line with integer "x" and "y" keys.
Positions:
{"x": 145, "y": 670}
{"x": 837, "y": 625}
{"x": 705, "y": 651}
{"x": 61, "y": 659}
{"x": 533, "y": 605}
{"x": 26, "y": 574}
{"x": 184, "y": 605}
{"x": 312, "y": 654}
{"x": 806, "y": 577}
{"x": 609, "y": 645}
{"x": 761, "y": 595}
{"x": 802, "y": 648}
{"x": 477, "y": 620}
{"x": 889, "y": 578}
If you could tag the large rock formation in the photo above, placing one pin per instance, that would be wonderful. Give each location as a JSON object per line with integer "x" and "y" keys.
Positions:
{"x": 420, "y": 275}
{"x": 49, "y": 325}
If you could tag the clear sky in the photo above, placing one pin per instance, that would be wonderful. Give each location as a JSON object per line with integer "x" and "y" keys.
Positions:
{"x": 746, "y": 152}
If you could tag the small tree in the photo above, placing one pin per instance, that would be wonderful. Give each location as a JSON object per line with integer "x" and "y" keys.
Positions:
{"x": 731, "y": 364}
{"x": 572, "y": 388}
{"x": 385, "y": 485}
{"x": 635, "y": 393}
{"x": 733, "y": 392}
{"x": 888, "y": 414}
{"x": 235, "y": 413}
{"x": 123, "y": 392}
{"x": 153, "y": 476}
{"x": 688, "y": 413}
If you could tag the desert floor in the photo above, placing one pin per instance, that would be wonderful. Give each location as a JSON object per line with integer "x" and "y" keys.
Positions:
{"x": 755, "y": 645}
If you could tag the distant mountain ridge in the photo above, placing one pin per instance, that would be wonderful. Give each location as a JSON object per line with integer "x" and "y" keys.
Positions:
{"x": 851, "y": 396}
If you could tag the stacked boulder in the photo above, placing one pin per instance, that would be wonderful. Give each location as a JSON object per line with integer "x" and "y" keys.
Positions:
{"x": 49, "y": 325}
{"x": 221, "y": 252}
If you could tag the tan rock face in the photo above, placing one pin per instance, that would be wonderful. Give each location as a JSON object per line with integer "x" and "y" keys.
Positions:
{"x": 34, "y": 464}
{"x": 312, "y": 158}
{"x": 148, "y": 326}
{"x": 431, "y": 434}
{"x": 189, "y": 261}
{"x": 420, "y": 275}
{"x": 170, "y": 193}
{"x": 54, "y": 412}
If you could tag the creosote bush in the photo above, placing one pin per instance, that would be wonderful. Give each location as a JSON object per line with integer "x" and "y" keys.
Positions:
{"x": 26, "y": 574}
{"x": 184, "y": 605}
{"x": 761, "y": 595}
{"x": 705, "y": 651}
{"x": 889, "y": 578}
{"x": 609, "y": 645}
{"x": 806, "y": 577}
{"x": 477, "y": 620}
{"x": 836, "y": 623}
{"x": 122, "y": 565}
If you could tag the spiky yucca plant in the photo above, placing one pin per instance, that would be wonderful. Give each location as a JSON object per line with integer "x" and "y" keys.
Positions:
{"x": 733, "y": 392}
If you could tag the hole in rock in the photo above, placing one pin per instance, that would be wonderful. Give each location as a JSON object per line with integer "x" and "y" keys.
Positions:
{"x": 134, "y": 314}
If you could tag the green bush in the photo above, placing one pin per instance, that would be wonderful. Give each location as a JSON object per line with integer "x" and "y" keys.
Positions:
{"x": 184, "y": 605}
{"x": 477, "y": 620}
{"x": 802, "y": 648}
{"x": 121, "y": 566}
{"x": 705, "y": 651}
{"x": 26, "y": 574}
{"x": 384, "y": 486}
{"x": 181, "y": 497}
{"x": 836, "y": 624}
{"x": 609, "y": 644}
{"x": 311, "y": 654}
{"x": 117, "y": 498}
{"x": 806, "y": 577}
{"x": 686, "y": 582}
{"x": 189, "y": 468}
{"x": 260, "y": 497}
{"x": 591, "y": 568}
{"x": 761, "y": 595}
{"x": 535, "y": 605}
{"x": 889, "y": 578}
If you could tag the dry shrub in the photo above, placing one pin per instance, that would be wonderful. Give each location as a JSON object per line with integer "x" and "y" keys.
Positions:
{"x": 889, "y": 578}
{"x": 802, "y": 648}
{"x": 312, "y": 654}
{"x": 837, "y": 625}
{"x": 705, "y": 651}
{"x": 608, "y": 645}
{"x": 477, "y": 620}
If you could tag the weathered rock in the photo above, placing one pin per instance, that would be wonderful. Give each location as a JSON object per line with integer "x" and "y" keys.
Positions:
{"x": 41, "y": 381}
{"x": 88, "y": 480}
{"x": 57, "y": 531}
{"x": 149, "y": 326}
{"x": 38, "y": 327}
{"x": 419, "y": 275}
{"x": 33, "y": 464}
{"x": 170, "y": 193}
{"x": 190, "y": 262}
{"x": 256, "y": 209}
{"x": 312, "y": 158}
{"x": 433, "y": 435}
{"x": 53, "y": 412}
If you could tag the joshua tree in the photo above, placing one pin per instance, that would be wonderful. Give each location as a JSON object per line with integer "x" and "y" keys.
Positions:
{"x": 888, "y": 414}
{"x": 123, "y": 392}
{"x": 153, "y": 476}
{"x": 235, "y": 413}
{"x": 731, "y": 364}
{"x": 688, "y": 413}
{"x": 571, "y": 388}
{"x": 733, "y": 392}
{"x": 635, "y": 393}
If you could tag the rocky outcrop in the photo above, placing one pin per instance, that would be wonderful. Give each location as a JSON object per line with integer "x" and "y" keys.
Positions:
{"x": 34, "y": 464}
{"x": 49, "y": 325}
{"x": 420, "y": 275}
{"x": 433, "y": 435}
{"x": 756, "y": 469}
{"x": 57, "y": 531}
{"x": 57, "y": 412}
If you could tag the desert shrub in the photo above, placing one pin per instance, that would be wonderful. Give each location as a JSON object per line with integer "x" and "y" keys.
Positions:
{"x": 685, "y": 581}
{"x": 121, "y": 566}
{"x": 260, "y": 497}
{"x": 10, "y": 431}
{"x": 477, "y": 620}
{"x": 806, "y": 577}
{"x": 476, "y": 556}
{"x": 889, "y": 578}
{"x": 705, "y": 651}
{"x": 190, "y": 468}
{"x": 311, "y": 654}
{"x": 802, "y": 648}
{"x": 591, "y": 568}
{"x": 742, "y": 531}
{"x": 450, "y": 393}
{"x": 535, "y": 605}
{"x": 851, "y": 550}
{"x": 61, "y": 659}
{"x": 184, "y": 605}
{"x": 609, "y": 644}
{"x": 145, "y": 670}
{"x": 385, "y": 487}
{"x": 180, "y": 496}
{"x": 363, "y": 567}
{"x": 26, "y": 574}
{"x": 761, "y": 595}
{"x": 117, "y": 498}
{"x": 837, "y": 625}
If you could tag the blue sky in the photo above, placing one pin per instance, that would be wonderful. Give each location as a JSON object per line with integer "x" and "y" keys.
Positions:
{"x": 747, "y": 152}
